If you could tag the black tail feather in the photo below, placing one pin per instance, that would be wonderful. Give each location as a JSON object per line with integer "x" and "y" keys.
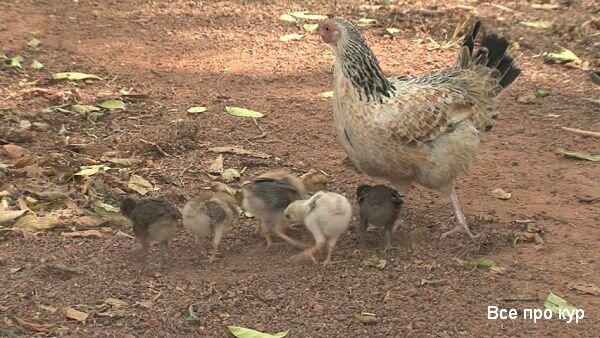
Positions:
{"x": 493, "y": 53}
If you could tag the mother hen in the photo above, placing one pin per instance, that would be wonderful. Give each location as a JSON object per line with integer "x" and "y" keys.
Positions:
{"x": 421, "y": 129}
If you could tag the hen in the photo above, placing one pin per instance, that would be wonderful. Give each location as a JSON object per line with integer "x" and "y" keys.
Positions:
{"x": 422, "y": 129}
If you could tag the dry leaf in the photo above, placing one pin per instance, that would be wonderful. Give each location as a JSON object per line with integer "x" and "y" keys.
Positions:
{"x": 89, "y": 221}
{"x": 498, "y": 270}
{"x": 585, "y": 288}
{"x": 139, "y": 184}
{"x": 85, "y": 233}
{"x": 125, "y": 162}
{"x": 13, "y": 151}
{"x": 34, "y": 224}
{"x": 501, "y": 194}
{"x": 114, "y": 302}
{"x": 238, "y": 151}
{"x": 376, "y": 262}
{"x": 71, "y": 313}
{"x": 122, "y": 234}
{"x": 216, "y": 167}
{"x": 230, "y": 175}
{"x": 367, "y": 320}
{"x": 31, "y": 326}
{"x": 10, "y": 215}
{"x": 48, "y": 308}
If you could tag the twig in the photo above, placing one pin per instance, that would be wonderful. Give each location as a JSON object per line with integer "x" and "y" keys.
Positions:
{"x": 518, "y": 299}
{"x": 581, "y": 132}
{"x": 157, "y": 147}
{"x": 181, "y": 176}
{"x": 262, "y": 131}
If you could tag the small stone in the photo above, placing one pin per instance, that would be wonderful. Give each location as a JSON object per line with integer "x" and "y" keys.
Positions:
{"x": 13, "y": 151}
{"x": 24, "y": 124}
{"x": 41, "y": 126}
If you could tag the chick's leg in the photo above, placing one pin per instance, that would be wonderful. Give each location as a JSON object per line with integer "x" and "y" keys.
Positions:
{"x": 362, "y": 228}
{"x": 330, "y": 245}
{"x": 164, "y": 248}
{"x": 387, "y": 236}
{"x": 462, "y": 222}
{"x": 199, "y": 242}
{"x": 216, "y": 242}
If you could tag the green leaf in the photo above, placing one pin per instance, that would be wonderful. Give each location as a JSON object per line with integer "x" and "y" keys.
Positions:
{"x": 310, "y": 27}
{"x": 564, "y": 56}
{"x": 242, "y": 332}
{"x": 36, "y": 65}
{"x": 84, "y": 108}
{"x": 74, "y": 76}
{"x": 326, "y": 95}
{"x": 305, "y": 16}
{"x": 393, "y": 31}
{"x": 15, "y": 62}
{"x": 33, "y": 43}
{"x": 557, "y": 304}
{"x": 242, "y": 112}
{"x": 484, "y": 262}
{"x": 108, "y": 207}
{"x": 581, "y": 156}
{"x": 290, "y": 37}
{"x": 541, "y": 92}
{"x": 112, "y": 104}
{"x": 196, "y": 110}
{"x": 537, "y": 24}
{"x": 287, "y": 18}
{"x": 91, "y": 170}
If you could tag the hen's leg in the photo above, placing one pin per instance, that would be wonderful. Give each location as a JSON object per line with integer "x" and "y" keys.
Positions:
{"x": 462, "y": 222}
{"x": 330, "y": 246}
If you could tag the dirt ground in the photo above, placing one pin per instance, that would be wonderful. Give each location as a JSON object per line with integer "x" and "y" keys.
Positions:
{"x": 172, "y": 55}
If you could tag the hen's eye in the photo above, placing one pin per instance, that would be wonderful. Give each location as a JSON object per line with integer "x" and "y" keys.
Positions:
{"x": 327, "y": 28}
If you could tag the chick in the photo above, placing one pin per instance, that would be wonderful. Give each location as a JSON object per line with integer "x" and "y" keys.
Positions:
{"x": 153, "y": 220}
{"x": 209, "y": 214}
{"x": 326, "y": 215}
{"x": 266, "y": 197}
{"x": 379, "y": 205}
{"x": 314, "y": 181}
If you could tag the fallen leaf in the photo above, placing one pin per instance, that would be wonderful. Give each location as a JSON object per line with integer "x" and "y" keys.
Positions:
{"x": 108, "y": 207}
{"x": 15, "y": 62}
{"x": 581, "y": 156}
{"x": 242, "y": 332}
{"x": 564, "y": 56}
{"x": 91, "y": 170}
{"x": 48, "y": 308}
{"x": 89, "y": 221}
{"x": 34, "y": 223}
{"x": 541, "y": 92}
{"x": 84, "y": 108}
{"x": 392, "y": 30}
{"x": 366, "y": 22}
{"x": 13, "y": 150}
{"x": 557, "y": 304}
{"x": 125, "y": 162}
{"x": 366, "y": 320}
{"x": 123, "y": 234}
{"x": 36, "y": 65}
{"x": 501, "y": 194}
{"x": 84, "y": 233}
{"x": 585, "y": 288}
{"x": 306, "y": 16}
{"x": 290, "y": 37}
{"x": 537, "y": 24}
{"x": 242, "y": 112}
{"x": 498, "y": 270}
{"x": 216, "y": 167}
{"x": 432, "y": 281}
{"x": 33, "y": 43}
{"x": 32, "y": 326}
{"x": 546, "y": 6}
{"x": 376, "y": 262}
{"x": 75, "y": 314}
{"x": 10, "y": 215}
{"x": 327, "y": 95}
{"x": 196, "y": 110}
{"x": 239, "y": 151}
{"x": 139, "y": 184}
{"x": 112, "y": 104}
{"x": 310, "y": 27}
{"x": 526, "y": 99}
{"x": 287, "y": 18}
{"x": 484, "y": 262}
{"x": 230, "y": 175}
{"x": 75, "y": 76}
{"x": 114, "y": 302}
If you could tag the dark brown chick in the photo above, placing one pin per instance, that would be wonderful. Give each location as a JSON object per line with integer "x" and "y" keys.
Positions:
{"x": 380, "y": 206}
{"x": 209, "y": 215}
{"x": 266, "y": 197}
{"x": 153, "y": 220}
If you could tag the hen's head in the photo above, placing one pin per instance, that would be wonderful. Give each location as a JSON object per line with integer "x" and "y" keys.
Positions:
{"x": 337, "y": 31}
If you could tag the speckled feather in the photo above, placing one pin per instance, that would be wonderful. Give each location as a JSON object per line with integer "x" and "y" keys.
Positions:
{"x": 422, "y": 128}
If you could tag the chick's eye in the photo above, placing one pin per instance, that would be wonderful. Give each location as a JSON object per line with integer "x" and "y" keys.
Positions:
{"x": 327, "y": 28}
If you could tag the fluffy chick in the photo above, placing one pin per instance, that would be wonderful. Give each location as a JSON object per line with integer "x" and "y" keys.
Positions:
{"x": 206, "y": 215}
{"x": 379, "y": 205}
{"x": 326, "y": 215}
{"x": 314, "y": 181}
{"x": 153, "y": 220}
{"x": 267, "y": 196}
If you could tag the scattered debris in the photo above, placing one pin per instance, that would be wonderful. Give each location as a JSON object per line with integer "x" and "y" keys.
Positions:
{"x": 366, "y": 318}
{"x": 581, "y": 132}
{"x": 501, "y": 194}
{"x": 238, "y": 151}
{"x": 77, "y": 315}
{"x": 74, "y": 76}
{"x": 242, "y": 332}
{"x": 557, "y": 304}
{"x": 376, "y": 262}
{"x": 196, "y": 110}
{"x": 286, "y": 38}
{"x": 85, "y": 233}
{"x": 580, "y": 156}
{"x": 139, "y": 184}
{"x": 243, "y": 112}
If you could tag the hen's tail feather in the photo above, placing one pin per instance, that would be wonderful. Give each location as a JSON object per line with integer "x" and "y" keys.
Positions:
{"x": 493, "y": 53}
